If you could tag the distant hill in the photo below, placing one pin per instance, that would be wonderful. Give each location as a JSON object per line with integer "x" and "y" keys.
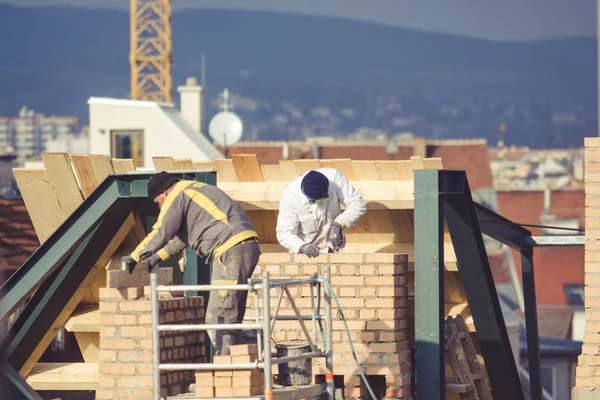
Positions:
{"x": 53, "y": 59}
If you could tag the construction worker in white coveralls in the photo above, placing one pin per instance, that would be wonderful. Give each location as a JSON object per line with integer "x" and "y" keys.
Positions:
{"x": 311, "y": 220}
{"x": 206, "y": 219}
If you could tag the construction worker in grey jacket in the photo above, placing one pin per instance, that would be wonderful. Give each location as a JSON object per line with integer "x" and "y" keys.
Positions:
{"x": 206, "y": 219}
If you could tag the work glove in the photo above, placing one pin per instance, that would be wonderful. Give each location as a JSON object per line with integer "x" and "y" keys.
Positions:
{"x": 336, "y": 234}
{"x": 128, "y": 264}
{"x": 310, "y": 250}
{"x": 152, "y": 262}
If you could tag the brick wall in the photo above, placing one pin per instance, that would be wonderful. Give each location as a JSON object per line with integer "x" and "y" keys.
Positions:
{"x": 588, "y": 368}
{"x": 372, "y": 290}
{"x": 125, "y": 367}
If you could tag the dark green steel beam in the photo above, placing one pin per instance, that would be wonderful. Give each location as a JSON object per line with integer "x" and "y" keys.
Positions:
{"x": 70, "y": 277}
{"x": 497, "y": 227}
{"x": 56, "y": 248}
{"x": 531, "y": 324}
{"x": 14, "y": 387}
{"x": 478, "y": 282}
{"x": 429, "y": 287}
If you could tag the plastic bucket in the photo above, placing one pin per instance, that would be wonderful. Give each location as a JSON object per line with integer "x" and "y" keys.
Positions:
{"x": 294, "y": 373}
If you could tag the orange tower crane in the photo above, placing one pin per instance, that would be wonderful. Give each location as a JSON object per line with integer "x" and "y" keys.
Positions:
{"x": 151, "y": 50}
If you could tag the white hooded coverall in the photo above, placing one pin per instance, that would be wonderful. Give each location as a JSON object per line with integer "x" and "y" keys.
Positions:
{"x": 300, "y": 222}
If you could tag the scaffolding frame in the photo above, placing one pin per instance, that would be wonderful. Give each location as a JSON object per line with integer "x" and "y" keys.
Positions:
{"x": 263, "y": 325}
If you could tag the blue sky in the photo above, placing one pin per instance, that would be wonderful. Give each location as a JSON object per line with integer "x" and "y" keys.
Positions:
{"x": 496, "y": 19}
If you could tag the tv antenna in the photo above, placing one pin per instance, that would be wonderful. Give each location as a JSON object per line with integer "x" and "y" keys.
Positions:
{"x": 225, "y": 128}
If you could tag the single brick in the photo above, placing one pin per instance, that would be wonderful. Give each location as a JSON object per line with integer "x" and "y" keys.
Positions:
{"x": 245, "y": 358}
{"x": 108, "y": 307}
{"x": 117, "y": 344}
{"x": 367, "y": 291}
{"x": 205, "y": 391}
{"x": 366, "y": 269}
{"x": 347, "y": 281}
{"x": 384, "y": 302}
{"x": 106, "y": 381}
{"x": 242, "y": 349}
{"x": 136, "y": 331}
{"x": 348, "y": 291}
{"x": 144, "y": 368}
{"x": 116, "y": 369}
{"x": 379, "y": 281}
{"x": 247, "y": 391}
{"x": 135, "y": 306}
{"x": 223, "y": 391}
{"x": 105, "y": 394}
{"x": 249, "y": 380}
{"x": 223, "y": 381}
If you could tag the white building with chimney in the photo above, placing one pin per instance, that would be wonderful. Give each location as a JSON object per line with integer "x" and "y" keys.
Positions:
{"x": 141, "y": 130}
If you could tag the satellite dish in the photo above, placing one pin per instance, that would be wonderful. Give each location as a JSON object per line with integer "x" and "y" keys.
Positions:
{"x": 226, "y": 128}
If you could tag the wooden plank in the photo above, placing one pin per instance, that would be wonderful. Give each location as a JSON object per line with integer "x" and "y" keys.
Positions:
{"x": 211, "y": 165}
{"x": 64, "y": 376}
{"x": 417, "y": 163}
{"x": 140, "y": 277}
{"x": 364, "y": 170}
{"x": 266, "y": 195}
{"x": 41, "y": 202}
{"x": 182, "y": 163}
{"x": 343, "y": 165}
{"x": 85, "y": 174}
{"x": 404, "y": 168}
{"x": 76, "y": 298}
{"x": 89, "y": 345}
{"x": 86, "y": 318}
{"x": 481, "y": 386}
{"x": 247, "y": 168}
{"x": 303, "y": 166}
{"x": 386, "y": 170}
{"x": 271, "y": 172}
{"x": 163, "y": 163}
{"x": 123, "y": 166}
{"x": 101, "y": 166}
{"x": 288, "y": 170}
{"x": 226, "y": 171}
{"x": 63, "y": 181}
{"x": 433, "y": 163}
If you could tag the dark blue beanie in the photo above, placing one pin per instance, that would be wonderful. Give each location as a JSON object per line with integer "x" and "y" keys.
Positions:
{"x": 315, "y": 185}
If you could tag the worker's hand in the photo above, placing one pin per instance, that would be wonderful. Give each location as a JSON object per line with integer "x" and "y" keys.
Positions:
{"x": 336, "y": 234}
{"x": 310, "y": 250}
{"x": 152, "y": 262}
{"x": 128, "y": 264}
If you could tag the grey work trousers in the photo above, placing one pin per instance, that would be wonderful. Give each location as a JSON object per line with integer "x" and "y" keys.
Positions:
{"x": 229, "y": 306}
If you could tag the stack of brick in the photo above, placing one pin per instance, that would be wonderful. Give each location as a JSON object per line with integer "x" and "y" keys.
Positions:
{"x": 588, "y": 367}
{"x": 372, "y": 291}
{"x": 125, "y": 367}
{"x": 232, "y": 383}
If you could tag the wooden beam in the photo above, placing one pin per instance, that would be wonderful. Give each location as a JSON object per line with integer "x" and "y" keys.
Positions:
{"x": 247, "y": 168}
{"x": 163, "y": 163}
{"x": 89, "y": 345}
{"x": 343, "y": 165}
{"x": 211, "y": 165}
{"x": 101, "y": 166}
{"x": 63, "y": 181}
{"x": 266, "y": 195}
{"x": 288, "y": 171}
{"x": 41, "y": 202}
{"x": 76, "y": 298}
{"x": 91, "y": 171}
{"x": 86, "y": 318}
{"x": 64, "y": 376}
{"x": 303, "y": 166}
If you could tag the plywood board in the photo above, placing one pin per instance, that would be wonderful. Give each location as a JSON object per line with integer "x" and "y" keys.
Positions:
{"x": 210, "y": 165}
{"x": 123, "y": 166}
{"x": 417, "y": 163}
{"x": 163, "y": 163}
{"x": 225, "y": 171}
{"x": 63, "y": 181}
{"x": 101, "y": 166}
{"x": 387, "y": 170}
{"x": 404, "y": 169}
{"x": 41, "y": 202}
{"x": 364, "y": 170}
{"x": 85, "y": 174}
